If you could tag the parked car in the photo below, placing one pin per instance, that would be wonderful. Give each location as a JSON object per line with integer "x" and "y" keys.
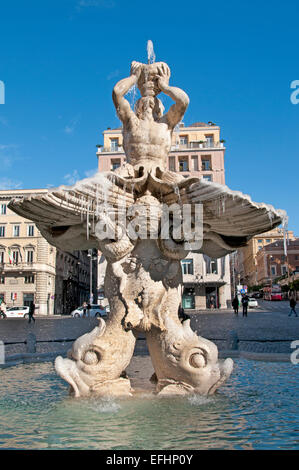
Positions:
{"x": 95, "y": 311}
{"x": 257, "y": 295}
{"x": 252, "y": 303}
{"x": 17, "y": 312}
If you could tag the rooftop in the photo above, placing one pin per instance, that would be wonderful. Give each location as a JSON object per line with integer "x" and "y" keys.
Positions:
{"x": 279, "y": 245}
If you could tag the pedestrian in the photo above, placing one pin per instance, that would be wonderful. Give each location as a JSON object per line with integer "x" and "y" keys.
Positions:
{"x": 182, "y": 315}
{"x": 31, "y": 312}
{"x": 84, "y": 308}
{"x": 3, "y": 309}
{"x": 293, "y": 305}
{"x": 235, "y": 304}
{"x": 88, "y": 309}
{"x": 212, "y": 303}
{"x": 245, "y": 305}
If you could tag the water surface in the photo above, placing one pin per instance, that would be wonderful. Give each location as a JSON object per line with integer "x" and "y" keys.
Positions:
{"x": 256, "y": 409}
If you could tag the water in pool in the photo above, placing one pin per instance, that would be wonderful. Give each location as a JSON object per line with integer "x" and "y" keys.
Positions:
{"x": 256, "y": 409}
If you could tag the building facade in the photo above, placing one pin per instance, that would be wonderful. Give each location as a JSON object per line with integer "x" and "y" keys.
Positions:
{"x": 247, "y": 256}
{"x": 273, "y": 262}
{"x": 33, "y": 271}
{"x": 196, "y": 150}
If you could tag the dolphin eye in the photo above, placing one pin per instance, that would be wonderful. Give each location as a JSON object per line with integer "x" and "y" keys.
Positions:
{"x": 197, "y": 360}
{"x": 91, "y": 357}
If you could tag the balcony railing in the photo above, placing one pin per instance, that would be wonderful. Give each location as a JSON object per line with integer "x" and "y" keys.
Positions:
{"x": 15, "y": 266}
{"x": 118, "y": 149}
{"x": 189, "y": 146}
{"x": 197, "y": 145}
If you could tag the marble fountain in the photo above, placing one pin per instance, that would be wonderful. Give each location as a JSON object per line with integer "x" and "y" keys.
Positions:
{"x": 123, "y": 214}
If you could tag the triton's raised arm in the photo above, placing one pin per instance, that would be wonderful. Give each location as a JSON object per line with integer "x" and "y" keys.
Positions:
{"x": 177, "y": 110}
{"x": 122, "y": 106}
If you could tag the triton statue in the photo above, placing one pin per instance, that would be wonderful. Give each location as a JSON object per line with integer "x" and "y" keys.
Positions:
{"x": 143, "y": 277}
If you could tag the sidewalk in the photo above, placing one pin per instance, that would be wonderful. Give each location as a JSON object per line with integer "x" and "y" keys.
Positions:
{"x": 259, "y": 333}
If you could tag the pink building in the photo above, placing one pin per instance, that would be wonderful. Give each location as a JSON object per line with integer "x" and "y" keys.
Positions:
{"x": 196, "y": 150}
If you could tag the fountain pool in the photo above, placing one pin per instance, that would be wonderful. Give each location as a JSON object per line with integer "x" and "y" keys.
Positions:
{"x": 256, "y": 409}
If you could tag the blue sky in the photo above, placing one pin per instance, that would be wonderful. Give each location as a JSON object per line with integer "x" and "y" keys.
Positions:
{"x": 60, "y": 59}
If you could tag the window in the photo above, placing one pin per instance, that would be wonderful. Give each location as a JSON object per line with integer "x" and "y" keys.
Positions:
{"x": 15, "y": 256}
{"x": 187, "y": 266}
{"x": 183, "y": 140}
{"x": 16, "y": 230}
{"x": 209, "y": 140}
{"x": 296, "y": 257}
{"x": 207, "y": 177}
{"x": 214, "y": 266}
{"x": 183, "y": 164}
{"x": 211, "y": 265}
{"x": 268, "y": 240}
{"x": 28, "y": 299}
{"x": 29, "y": 256}
{"x": 114, "y": 145}
{"x": 115, "y": 163}
{"x": 30, "y": 231}
{"x": 297, "y": 268}
{"x": 171, "y": 161}
{"x": 283, "y": 269}
{"x": 260, "y": 241}
{"x": 2, "y": 231}
{"x": 206, "y": 164}
{"x": 194, "y": 160}
{"x": 273, "y": 270}
{"x": 29, "y": 279}
{"x": 2, "y": 280}
{"x": 1, "y": 257}
{"x": 3, "y": 209}
{"x": 2, "y": 297}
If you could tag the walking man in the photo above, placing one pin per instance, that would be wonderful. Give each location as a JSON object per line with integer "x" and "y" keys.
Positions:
{"x": 84, "y": 308}
{"x": 292, "y": 305}
{"x": 245, "y": 305}
{"x": 31, "y": 312}
{"x": 235, "y": 304}
{"x": 88, "y": 309}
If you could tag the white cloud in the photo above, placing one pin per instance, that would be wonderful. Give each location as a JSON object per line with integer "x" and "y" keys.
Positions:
{"x": 113, "y": 74}
{"x": 69, "y": 128}
{"x": 72, "y": 178}
{"x": 7, "y": 183}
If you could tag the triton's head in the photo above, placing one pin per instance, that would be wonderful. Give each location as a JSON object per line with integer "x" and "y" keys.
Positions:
{"x": 149, "y": 103}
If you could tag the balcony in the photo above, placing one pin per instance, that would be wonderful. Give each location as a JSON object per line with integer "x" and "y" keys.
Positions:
{"x": 118, "y": 149}
{"x": 197, "y": 145}
{"x": 7, "y": 267}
